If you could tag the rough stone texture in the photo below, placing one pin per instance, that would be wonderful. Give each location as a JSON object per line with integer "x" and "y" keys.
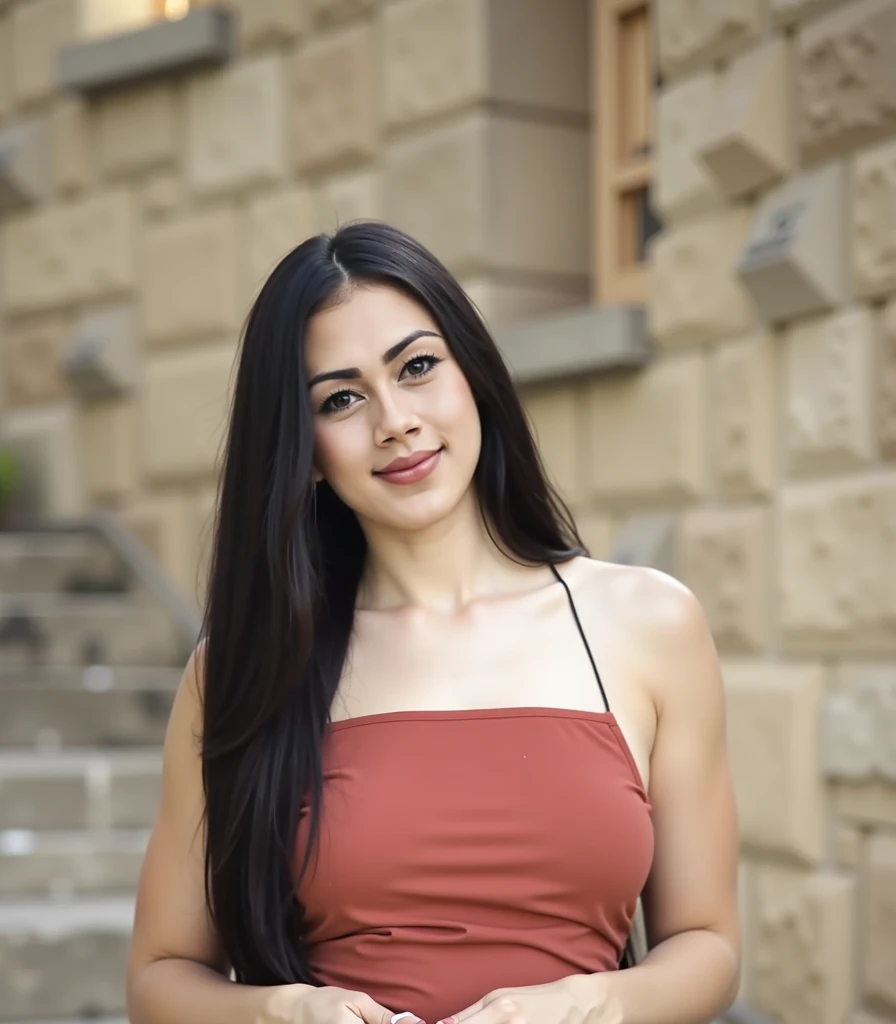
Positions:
{"x": 885, "y": 375}
{"x": 340, "y": 198}
{"x": 471, "y": 189}
{"x": 803, "y": 961}
{"x": 868, "y": 804}
{"x": 874, "y": 214}
{"x": 861, "y": 724}
{"x": 694, "y": 32}
{"x": 237, "y": 127}
{"x": 70, "y": 252}
{"x": 262, "y": 22}
{"x": 787, "y": 12}
{"x": 697, "y": 297}
{"x": 846, "y": 79}
{"x": 504, "y": 301}
{"x": 278, "y": 222}
{"x": 880, "y": 921}
{"x": 828, "y": 392}
{"x": 555, "y": 413}
{"x": 334, "y": 12}
{"x": 162, "y": 195}
{"x": 40, "y": 29}
{"x": 191, "y": 277}
{"x": 109, "y": 443}
{"x": 660, "y": 413}
{"x": 32, "y": 360}
{"x": 724, "y": 562}
{"x": 164, "y": 524}
{"x": 35, "y": 801}
{"x": 71, "y": 150}
{"x": 684, "y": 187}
{"x": 334, "y": 100}
{"x": 137, "y": 129}
{"x": 744, "y": 437}
{"x": 185, "y": 405}
{"x": 774, "y": 738}
{"x": 835, "y": 537}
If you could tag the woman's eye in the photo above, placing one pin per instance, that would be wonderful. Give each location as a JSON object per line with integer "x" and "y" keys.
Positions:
{"x": 337, "y": 403}
{"x": 421, "y": 365}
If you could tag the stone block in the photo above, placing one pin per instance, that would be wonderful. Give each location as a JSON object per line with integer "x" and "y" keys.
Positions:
{"x": 724, "y": 560}
{"x": 789, "y": 12}
{"x": 695, "y": 32}
{"x": 848, "y": 846}
{"x": 873, "y": 217}
{"x": 278, "y": 222}
{"x": 829, "y": 366}
{"x": 334, "y": 12}
{"x": 804, "y": 954}
{"x": 885, "y": 375}
{"x": 109, "y": 446}
{"x": 344, "y": 197}
{"x": 472, "y": 189}
{"x": 505, "y": 302}
{"x": 836, "y": 538}
{"x": 334, "y": 100}
{"x": 24, "y": 165}
{"x": 137, "y": 129}
{"x": 744, "y": 436}
{"x": 40, "y": 29}
{"x": 191, "y": 283}
{"x": 237, "y": 127}
{"x": 647, "y": 540}
{"x": 185, "y": 407}
{"x": 69, "y": 863}
{"x": 134, "y": 799}
{"x": 775, "y": 739}
{"x": 697, "y": 297}
{"x": 748, "y": 142}
{"x": 32, "y": 360}
{"x": 880, "y": 921}
{"x": 684, "y": 188}
{"x": 268, "y": 22}
{"x": 868, "y": 804}
{"x": 164, "y": 524}
{"x": 71, "y": 145}
{"x": 555, "y": 412}
{"x": 861, "y": 723}
{"x": 597, "y": 532}
{"x": 70, "y": 253}
{"x": 103, "y": 354}
{"x": 36, "y": 801}
{"x": 6, "y": 99}
{"x": 660, "y": 413}
{"x": 162, "y": 195}
{"x": 846, "y": 79}
{"x": 794, "y": 259}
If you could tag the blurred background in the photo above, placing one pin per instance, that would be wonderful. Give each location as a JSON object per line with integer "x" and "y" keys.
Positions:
{"x": 679, "y": 218}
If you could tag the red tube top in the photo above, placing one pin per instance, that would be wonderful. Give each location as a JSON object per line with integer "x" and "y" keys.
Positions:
{"x": 464, "y": 851}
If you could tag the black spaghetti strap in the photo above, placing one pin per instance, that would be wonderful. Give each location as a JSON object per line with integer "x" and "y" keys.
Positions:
{"x": 575, "y": 615}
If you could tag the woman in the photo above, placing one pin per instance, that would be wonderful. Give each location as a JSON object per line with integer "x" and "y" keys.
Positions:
{"x": 407, "y": 766}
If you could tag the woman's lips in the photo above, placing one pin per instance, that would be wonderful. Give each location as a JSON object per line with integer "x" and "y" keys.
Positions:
{"x": 419, "y": 471}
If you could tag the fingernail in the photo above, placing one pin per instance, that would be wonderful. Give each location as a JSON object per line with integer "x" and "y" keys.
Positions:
{"x": 447, "y": 1020}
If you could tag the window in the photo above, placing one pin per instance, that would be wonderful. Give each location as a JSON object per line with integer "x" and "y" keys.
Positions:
{"x": 624, "y": 83}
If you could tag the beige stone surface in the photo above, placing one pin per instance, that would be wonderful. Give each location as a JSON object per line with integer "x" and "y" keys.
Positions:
{"x": 347, "y": 196}
{"x": 873, "y": 217}
{"x": 879, "y": 940}
{"x": 162, "y": 195}
{"x": 597, "y": 532}
{"x": 72, "y": 252}
{"x": 868, "y": 804}
{"x": 109, "y": 443}
{"x": 503, "y": 300}
{"x": 846, "y": 78}
{"x": 263, "y": 22}
{"x": 138, "y": 128}
{"x": 335, "y": 12}
{"x": 697, "y": 297}
{"x": 724, "y": 561}
{"x": 26, "y": 177}
{"x": 748, "y": 142}
{"x": 836, "y": 540}
{"x": 40, "y": 28}
{"x": 694, "y": 32}
{"x": 829, "y": 366}
{"x": 743, "y": 426}
{"x": 277, "y": 222}
{"x": 185, "y": 403}
{"x": 684, "y": 187}
{"x": 191, "y": 281}
{"x": 555, "y": 412}
{"x": 861, "y": 724}
{"x": 847, "y": 844}
{"x": 787, "y": 12}
{"x": 100, "y": 18}
{"x": 237, "y": 127}
{"x": 202, "y": 532}
{"x": 885, "y": 375}
{"x": 774, "y": 742}
{"x": 33, "y": 351}
{"x": 6, "y": 98}
{"x": 660, "y": 413}
{"x": 71, "y": 145}
{"x": 334, "y": 100}
{"x": 163, "y": 523}
{"x": 803, "y": 967}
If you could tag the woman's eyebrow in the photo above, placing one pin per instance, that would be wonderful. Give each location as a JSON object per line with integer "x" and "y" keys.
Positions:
{"x": 352, "y": 372}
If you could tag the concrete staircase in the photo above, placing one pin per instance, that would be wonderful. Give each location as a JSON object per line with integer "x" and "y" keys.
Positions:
{"x": 89, "y": 660}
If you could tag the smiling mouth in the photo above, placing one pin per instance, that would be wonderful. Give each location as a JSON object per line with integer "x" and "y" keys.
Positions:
{"x": 411, "y": 469}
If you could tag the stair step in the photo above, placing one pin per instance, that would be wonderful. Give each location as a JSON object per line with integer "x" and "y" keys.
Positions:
{"x": 95, "y": 678}
{"x": 58, "y": 629}
{"x": 64, "y": 959}
{"x": 55, "y": 562}
{"x": 70, "y": 863}
{"x": 79, "y": 789}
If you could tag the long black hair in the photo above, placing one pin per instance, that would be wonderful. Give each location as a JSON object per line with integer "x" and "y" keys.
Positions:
{"x": 286, "y": 561}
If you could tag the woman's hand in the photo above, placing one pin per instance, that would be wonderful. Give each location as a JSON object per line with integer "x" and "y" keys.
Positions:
{"x": 579, "y": 999}
{"x": 302, "y": 1004}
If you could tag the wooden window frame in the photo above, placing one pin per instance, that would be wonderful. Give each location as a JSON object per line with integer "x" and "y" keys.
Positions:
{"x": 617, "y": 176}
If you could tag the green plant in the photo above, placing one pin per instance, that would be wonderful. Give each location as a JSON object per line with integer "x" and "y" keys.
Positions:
{"x": 10, "y": 474}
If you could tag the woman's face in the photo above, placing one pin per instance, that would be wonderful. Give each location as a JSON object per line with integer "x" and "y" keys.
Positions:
{"x": 383, "y": 387}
